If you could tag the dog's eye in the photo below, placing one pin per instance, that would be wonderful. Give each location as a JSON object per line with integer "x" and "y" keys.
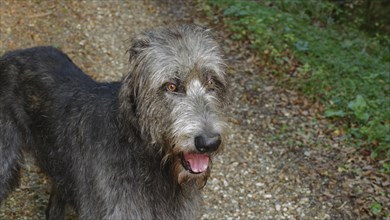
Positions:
{"x": 172, "y": 87}
{"x": 210, "y": 82}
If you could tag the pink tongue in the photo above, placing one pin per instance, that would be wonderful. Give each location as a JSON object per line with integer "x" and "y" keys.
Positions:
{"x": 198, "y": 163}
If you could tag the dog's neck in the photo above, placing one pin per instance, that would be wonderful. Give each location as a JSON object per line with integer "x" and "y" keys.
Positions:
{"x": 158, "y": 180}
{"x": 156, "y": 176}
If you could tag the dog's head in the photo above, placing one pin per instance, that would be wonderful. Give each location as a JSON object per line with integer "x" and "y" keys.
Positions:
{"x": 177, "y": 89}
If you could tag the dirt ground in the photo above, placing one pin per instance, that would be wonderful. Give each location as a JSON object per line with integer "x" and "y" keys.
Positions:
{"x": 283, "y": 159}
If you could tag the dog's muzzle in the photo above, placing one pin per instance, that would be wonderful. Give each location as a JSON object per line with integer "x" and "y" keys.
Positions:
{"x": 199, "y": 162}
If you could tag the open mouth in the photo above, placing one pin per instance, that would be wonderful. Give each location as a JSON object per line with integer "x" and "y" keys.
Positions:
{"x": 195, "y": 163}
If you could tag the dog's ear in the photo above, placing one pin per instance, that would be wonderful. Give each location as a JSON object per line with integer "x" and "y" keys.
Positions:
{"x": 138, "y": 44}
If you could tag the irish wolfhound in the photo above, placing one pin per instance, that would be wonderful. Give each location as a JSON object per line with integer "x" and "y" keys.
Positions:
{"x": 136, "y": 149}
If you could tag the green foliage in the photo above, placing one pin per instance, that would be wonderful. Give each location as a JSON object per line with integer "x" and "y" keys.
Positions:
{"x": 339, "y": 65}
{"x": 358, "y": 106}
{"x": 376, "y": 208}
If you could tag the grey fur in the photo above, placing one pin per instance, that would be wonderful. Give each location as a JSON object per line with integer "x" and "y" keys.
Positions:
{"x": 115, "y": 150}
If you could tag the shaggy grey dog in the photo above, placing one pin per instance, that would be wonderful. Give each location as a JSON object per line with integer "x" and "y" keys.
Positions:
{"x": 137, "y": 149}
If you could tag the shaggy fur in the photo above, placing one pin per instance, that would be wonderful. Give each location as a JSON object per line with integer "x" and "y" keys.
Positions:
{"x": 136, "y": 149}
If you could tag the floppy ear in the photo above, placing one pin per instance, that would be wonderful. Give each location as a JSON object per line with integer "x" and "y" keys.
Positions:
{"x": 127, "y": 94}
{"x": 138, "y": 44}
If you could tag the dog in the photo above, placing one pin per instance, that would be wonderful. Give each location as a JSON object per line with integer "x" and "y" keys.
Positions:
{"x": 141, "y": 148}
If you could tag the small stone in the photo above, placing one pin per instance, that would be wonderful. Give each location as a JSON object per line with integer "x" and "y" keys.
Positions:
{"x": 278, "y": 207}
{"x": 259, "y": 184}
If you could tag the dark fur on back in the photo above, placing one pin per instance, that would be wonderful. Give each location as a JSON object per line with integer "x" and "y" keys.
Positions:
{"x": 98, "y": 156}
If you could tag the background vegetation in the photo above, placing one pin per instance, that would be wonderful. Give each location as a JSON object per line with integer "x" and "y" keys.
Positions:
{"x": 336, "y": 52}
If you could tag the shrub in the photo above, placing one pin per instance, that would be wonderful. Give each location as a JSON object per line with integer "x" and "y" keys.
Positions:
{"x": 339, "y": 65}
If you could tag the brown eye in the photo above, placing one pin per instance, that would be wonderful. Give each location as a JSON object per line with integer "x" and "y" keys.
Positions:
{"x": 210, "y": 84}
{"x": 171, "y": 87}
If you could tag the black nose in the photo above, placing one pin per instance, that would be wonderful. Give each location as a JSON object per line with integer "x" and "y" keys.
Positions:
{"x": 207, "y": 143}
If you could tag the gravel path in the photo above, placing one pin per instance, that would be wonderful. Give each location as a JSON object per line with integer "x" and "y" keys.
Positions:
{"x": 283, "y": 160}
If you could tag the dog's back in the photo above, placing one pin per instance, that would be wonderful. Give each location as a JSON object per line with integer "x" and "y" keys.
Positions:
{"x": 26, "y": 76}
{"x": 50, "y": 108}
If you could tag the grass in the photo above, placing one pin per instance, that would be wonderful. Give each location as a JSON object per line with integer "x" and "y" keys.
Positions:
{"x": 336, "y": 64}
